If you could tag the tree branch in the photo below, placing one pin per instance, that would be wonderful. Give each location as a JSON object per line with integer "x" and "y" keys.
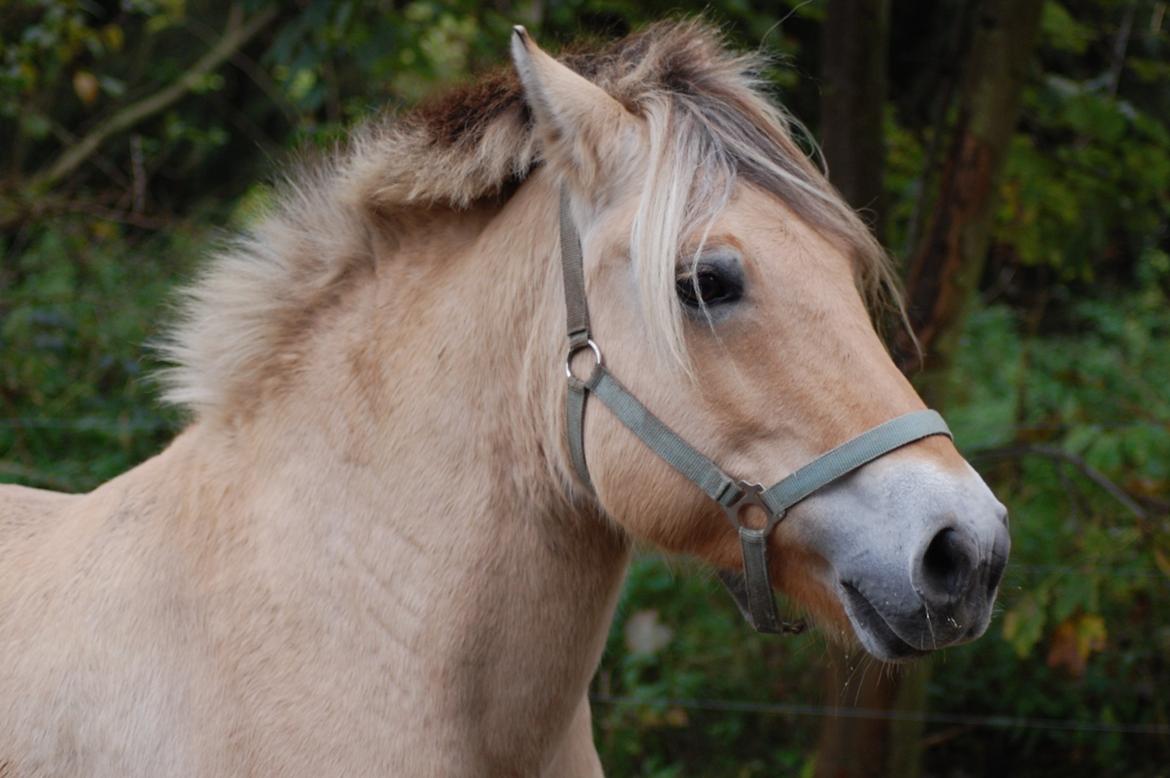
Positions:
{"x": 1060, "y": 455}
{"x": 234, "y": 39}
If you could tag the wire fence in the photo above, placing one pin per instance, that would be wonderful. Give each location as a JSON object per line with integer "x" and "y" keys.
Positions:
{"x": 992, "y": 721}
{"x": 89, "y": 424}
{"x": 100, "y": 424}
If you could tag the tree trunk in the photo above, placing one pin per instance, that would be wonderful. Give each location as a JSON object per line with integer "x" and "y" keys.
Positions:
{"x": 944, "y": 268}
{"x": 943, "y": 274}
{"x": 853, "y": 98}
{"x": 856, "y": 747}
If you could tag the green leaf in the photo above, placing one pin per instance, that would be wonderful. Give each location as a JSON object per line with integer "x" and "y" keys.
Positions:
{"x": 1023, "y": 624}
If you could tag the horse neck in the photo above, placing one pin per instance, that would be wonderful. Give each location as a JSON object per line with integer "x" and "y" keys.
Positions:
{"x": 405, "y": 477}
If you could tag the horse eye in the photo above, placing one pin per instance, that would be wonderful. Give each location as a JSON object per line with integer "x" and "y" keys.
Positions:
{"x": 709, "y": 285}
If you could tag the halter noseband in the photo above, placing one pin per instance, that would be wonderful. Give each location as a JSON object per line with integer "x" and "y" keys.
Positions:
{"x": 751, "y": 589}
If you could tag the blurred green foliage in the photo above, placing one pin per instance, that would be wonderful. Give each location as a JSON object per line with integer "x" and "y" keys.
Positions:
{"x": 1060, "y": 393}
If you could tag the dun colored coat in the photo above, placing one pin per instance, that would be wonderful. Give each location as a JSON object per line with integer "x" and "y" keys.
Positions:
{"x": 368, "y": 555}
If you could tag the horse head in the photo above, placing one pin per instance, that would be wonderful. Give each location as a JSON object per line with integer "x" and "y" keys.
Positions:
{"x": 729, "y": 288}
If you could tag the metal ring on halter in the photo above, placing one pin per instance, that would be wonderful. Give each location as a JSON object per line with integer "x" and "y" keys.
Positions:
{"x": 573, "y": 349}
{"x": 752, "y": 495}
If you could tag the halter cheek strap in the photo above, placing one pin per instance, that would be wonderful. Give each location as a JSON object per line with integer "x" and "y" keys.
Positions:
{"x": 751, "y": 588}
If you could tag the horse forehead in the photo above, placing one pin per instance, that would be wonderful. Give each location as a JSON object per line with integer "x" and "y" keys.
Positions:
{"x": 753, "y": 212}
{"x": 771, "y": 236}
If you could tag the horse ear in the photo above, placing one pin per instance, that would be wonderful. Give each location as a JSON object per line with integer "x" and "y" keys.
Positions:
{"x": 579, "y": 120}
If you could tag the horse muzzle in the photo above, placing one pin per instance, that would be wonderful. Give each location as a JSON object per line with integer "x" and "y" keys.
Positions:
{"x": 944, "y": 598}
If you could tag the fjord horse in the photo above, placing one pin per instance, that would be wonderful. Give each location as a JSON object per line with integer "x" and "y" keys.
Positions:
{"x": 371, "y": 552}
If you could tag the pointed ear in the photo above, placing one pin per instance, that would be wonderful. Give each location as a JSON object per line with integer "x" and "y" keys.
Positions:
{"x": 580, "y": 123}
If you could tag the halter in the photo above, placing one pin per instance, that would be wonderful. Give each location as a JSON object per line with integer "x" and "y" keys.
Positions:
{"x": 751, "y": 589}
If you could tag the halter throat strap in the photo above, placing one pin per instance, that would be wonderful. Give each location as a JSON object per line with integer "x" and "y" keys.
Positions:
{"x": 751, "y": 589}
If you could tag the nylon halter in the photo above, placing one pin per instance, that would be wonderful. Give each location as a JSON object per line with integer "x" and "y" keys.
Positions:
{"x": 752, "y": 588}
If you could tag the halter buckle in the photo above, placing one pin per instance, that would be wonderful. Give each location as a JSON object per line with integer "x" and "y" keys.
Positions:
{"x": 581, "y": 346}
{"x": 750, "y": 495}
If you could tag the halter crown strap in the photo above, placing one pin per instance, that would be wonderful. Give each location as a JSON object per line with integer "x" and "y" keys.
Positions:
{"x": 577, "y": 325}
{"x": 752, "y": 588}
{"x": 573, "y": 271}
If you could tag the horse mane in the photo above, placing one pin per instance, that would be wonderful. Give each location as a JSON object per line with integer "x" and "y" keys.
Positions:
{"x": 246, "y": 315}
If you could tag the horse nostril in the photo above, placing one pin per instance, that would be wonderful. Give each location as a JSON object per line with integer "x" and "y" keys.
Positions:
{"x": 995, "y": 573}
{"x": 946, "y": 567}
{"x": 999, "y": 558}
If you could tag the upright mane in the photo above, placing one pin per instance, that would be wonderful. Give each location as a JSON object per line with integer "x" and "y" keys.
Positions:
{"x": 710, "y": 122}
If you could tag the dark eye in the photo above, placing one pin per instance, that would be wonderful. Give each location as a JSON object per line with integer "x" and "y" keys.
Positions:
{"x": 710, "y": 285}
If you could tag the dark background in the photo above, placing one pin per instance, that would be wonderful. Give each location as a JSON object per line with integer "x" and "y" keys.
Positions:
{"x": 1014, "y": 155}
